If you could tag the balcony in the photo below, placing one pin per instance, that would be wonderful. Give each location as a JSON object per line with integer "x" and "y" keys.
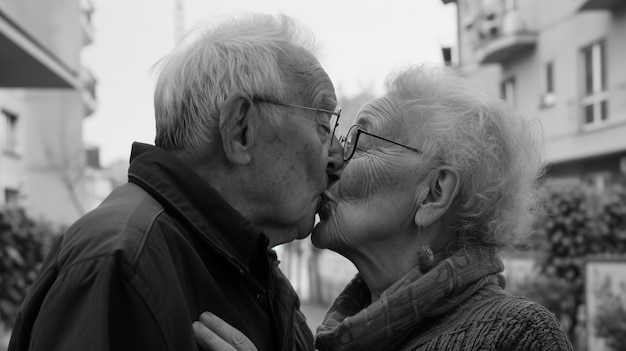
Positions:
{"x": 503, "y": 37}
{"x": 506, "y": 47}
{"x": 88, "y": 91}
{"x": 26, "y": 63}
{"x": 599, "y": 4}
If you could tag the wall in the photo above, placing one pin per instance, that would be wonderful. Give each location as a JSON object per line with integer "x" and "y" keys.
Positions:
{"x": 50, "y": 170}
{"x": 562, "y": 31}
{"x": 55, "y": 158}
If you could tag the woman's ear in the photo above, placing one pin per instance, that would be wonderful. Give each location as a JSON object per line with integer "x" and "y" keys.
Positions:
{"x": 437, "y": 196}
{"x": 236, "y": 129}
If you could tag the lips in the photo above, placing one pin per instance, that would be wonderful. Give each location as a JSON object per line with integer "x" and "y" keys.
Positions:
{"x": 324, "y": 206}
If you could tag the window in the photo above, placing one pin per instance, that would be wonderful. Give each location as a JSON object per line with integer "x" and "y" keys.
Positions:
{"x": 549, "y": 77}
{"x": 490, "y": 23}
{"x": 10, "y": 132}
{"x": 548, "y": 98}
{"x": 598, "y": 180}
{"x": 595, "y": 96}
{"x": 11, "y": 197}
{"x": 507, "y": 90}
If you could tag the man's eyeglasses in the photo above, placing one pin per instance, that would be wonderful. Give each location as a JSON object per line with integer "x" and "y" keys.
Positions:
{"x": 334, "y": 115}
{"x": 351, "y": 140}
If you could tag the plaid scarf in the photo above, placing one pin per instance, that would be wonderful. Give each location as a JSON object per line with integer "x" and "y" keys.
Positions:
{"x": 352, "y": 323}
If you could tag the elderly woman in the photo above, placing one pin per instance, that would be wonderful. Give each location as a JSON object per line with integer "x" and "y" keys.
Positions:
{"x": 440, "y": 179}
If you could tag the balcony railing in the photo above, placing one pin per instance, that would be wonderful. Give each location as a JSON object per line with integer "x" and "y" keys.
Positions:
{"x": 88, "y": 91}
{"x": 86, "y": 10}
{"x": 502, "y": 37}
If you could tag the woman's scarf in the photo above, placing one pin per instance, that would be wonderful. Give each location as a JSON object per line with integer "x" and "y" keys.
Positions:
{"x": 352, "y": 323}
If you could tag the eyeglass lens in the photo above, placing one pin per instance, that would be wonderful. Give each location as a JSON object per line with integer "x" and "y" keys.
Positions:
{"x": 349, "y": 142}
{"x": 334, "y": 123}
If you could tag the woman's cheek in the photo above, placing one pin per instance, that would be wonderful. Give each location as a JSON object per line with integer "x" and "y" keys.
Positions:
{"x": 343, "y": 229}
{"x": 330, "y": 233}
{"x": 363, "y": 179}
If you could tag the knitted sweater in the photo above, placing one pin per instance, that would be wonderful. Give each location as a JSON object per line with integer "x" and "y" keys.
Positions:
{"x": 458, "y": 305}
{"x": 490, "y": 320}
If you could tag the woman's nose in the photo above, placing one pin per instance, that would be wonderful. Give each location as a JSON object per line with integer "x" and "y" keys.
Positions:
{"x": 335, "y": 161}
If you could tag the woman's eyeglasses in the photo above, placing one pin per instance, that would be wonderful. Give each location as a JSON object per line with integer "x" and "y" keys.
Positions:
{"x": 351, "y": 140}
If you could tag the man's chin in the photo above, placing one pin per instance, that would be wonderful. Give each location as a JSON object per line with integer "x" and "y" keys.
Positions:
{"x": 306, "y": 229}
{"x": 303, "y": 236}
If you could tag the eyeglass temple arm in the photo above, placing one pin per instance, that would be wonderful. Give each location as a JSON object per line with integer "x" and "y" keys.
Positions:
{"x": 391, "y": 141}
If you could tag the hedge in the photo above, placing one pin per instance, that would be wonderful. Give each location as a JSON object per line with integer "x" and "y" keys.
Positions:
{"x": 579, "y": 222}
{"x": 24, "y": 243}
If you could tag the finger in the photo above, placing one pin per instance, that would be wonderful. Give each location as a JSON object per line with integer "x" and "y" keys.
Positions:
{"x": 226, "y": 332}
{"x": 208, "y": 340}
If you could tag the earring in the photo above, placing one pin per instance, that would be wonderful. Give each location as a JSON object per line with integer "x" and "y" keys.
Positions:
{"x": 425, "y": 258}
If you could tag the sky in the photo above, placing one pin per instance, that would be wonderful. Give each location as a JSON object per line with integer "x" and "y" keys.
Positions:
{"x": 361, "y": 41}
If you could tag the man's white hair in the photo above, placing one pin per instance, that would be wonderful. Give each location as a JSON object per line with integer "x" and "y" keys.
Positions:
{"x": 238, "y": 54}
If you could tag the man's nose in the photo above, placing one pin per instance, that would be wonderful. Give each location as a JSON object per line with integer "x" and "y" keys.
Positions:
{"x": 335, "y": 161}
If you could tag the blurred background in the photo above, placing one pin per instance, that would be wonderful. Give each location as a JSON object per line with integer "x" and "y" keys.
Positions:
{"x": 76, "y": 85}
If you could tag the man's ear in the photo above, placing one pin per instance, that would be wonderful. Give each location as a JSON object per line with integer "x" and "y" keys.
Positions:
{"x": 236, "y": 129}
{"x": 437, "y": 196}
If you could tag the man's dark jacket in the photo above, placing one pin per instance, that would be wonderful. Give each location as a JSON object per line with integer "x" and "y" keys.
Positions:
{"x": 137, "y": 271}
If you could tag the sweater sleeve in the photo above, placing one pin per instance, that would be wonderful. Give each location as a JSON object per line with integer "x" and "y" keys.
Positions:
{"x": 91, "y": 306}
{"x": 533, "y": 327}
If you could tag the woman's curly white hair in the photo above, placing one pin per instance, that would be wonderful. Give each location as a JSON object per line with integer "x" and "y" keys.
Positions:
{"x": 495, "y": 151}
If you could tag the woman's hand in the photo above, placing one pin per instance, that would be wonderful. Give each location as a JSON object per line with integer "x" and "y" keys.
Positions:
{"x": 213, "y": 334}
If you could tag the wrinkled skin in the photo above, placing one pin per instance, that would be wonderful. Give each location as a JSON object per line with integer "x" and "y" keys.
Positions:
{"x": 372, "y": 209}
{"x": 295, "y": 160}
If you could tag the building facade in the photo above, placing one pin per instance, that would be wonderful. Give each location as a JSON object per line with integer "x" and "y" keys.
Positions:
{"x": 561, "y": 63}
{"x": 45, "y": 94}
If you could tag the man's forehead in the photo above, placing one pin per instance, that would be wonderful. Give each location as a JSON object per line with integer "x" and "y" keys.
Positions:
{"x": 313, "y": 83}
{"x": 319, "y": 91}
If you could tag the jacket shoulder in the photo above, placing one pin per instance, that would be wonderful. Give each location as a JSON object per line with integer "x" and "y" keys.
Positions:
{"x": 120, "y": 225}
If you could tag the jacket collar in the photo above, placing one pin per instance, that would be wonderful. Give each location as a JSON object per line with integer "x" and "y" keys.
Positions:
{"x": 186, "y": 195}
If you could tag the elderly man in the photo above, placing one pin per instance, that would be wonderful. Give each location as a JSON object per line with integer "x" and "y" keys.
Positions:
{"x": 245, "y": 149}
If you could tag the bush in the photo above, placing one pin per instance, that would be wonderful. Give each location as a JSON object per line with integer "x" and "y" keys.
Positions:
{"x": 579, "y": 222}
{"x": 23, "y": 246}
